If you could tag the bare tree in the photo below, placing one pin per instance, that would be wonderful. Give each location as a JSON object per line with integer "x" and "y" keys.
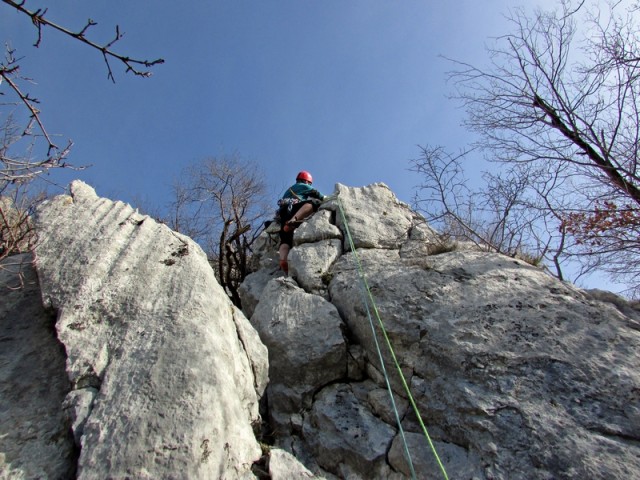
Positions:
{"x": 10, "y": 72}
{"x": 17, "y": 198}
{"x": 507, "y": 214}
{"x": 28, "y": 151}
{"x": 17, "y": 234}
{"x": 221, "y": 203}
{"x": 559, "y": 101}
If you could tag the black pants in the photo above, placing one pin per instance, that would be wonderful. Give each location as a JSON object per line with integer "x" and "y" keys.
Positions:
{"x": 287, "y": 212}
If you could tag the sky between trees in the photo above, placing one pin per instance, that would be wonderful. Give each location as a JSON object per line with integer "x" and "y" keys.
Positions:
{"x": 347, "y": 90}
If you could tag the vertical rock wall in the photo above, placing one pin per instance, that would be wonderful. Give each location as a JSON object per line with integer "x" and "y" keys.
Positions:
{"x": 166, "y": 375}
{"x": 156, "y": 374}
{"x": 35, "y": 436}
{"x": 515, "y": 374}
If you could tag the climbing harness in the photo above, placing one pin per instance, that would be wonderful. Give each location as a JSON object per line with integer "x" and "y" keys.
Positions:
{"x": 285, "y": 206}
{"x": 368, "y": 301}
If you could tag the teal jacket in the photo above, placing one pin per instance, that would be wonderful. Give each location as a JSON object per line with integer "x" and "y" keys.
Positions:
{"x": 303, "y": 192}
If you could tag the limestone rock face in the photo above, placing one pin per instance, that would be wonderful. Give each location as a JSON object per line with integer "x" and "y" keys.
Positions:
{"x": 306, "y": 348}
{"x": 150, "y": 372}
{"x": 310, "y": 264}
{"x": 514, "y": 374}
{"x": 345, "y": 435}
{"x": 284, "y": 466}
{"x": 35, "y": 441}
{"x": 375, "y": 217}
{"x": 166, "y": 375}
{"x": 320, "y": 226}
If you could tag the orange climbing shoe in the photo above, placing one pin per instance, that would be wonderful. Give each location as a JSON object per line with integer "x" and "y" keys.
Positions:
{"x": 284, "y": 266}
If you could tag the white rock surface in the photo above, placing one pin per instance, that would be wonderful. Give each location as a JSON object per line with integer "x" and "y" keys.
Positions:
{"x": 306, "y": 348}
{"x": 497, "y": 349}
{"x": 319, "y": 226}
{"x": 284, "y": 466}
{"x": 179, "y": 371}
{"x": 309, "y": 264}
{"x": 515, "y": 374}
{"x": 376, "y": 218}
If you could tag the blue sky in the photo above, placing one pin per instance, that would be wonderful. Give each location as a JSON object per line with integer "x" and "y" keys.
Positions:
{"x": 346, "y": 89}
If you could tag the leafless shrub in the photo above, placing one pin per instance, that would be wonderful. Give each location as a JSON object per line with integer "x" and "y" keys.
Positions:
{"x": 557, "y": 111}
{"x": 221, "y": 203}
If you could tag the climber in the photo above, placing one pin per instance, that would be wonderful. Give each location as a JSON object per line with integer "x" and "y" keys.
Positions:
{"x": 299, "y": 202}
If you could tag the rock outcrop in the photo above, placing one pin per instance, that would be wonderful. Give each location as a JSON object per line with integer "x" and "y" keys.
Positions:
{"x": 515, "y": 374}
{"x": 138, "y": 365}
{"x": 166, "y": 375}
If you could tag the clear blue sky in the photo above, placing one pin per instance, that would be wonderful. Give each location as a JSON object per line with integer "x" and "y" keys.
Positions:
{"x": 346, "y": 89}
{"x": 343, "y": 88}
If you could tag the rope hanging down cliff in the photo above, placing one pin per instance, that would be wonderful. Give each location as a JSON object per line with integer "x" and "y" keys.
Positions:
{"x": 369, "y": 301}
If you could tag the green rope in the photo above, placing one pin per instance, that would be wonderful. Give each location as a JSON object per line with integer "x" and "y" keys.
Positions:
{"x": 365, "y": 287}
{"x": 381, "y": 358}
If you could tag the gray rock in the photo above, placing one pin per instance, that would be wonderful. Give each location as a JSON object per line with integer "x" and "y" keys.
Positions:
{"x": 375, "y": 217}
{"x": 497, "y": 349}
{"x": 630, "y": 309}
{"x": 250, "y": 290}
{"x": 344, "y": 434}
{"x": 306, "y": 348}
{"x": 78, "y": 405}
{"x": 309, "y": 264}
{"x": 302, "y": 333}
{"x": 381, "y": 405}
{"x": 511, "y": 370}
{"x": 265, "y": 252}
{"x": 515, "y": 374}
{"x": 178, "y": 370}
{"x": 422, "y": 242}
{"x": 317, "y": 228}
{"x": 458, "y": 462}
{"x": 284, "y": 466}
{"x": 35, "y": 440}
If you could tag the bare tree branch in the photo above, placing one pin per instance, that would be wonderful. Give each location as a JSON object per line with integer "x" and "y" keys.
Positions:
{"x": 559, "y": 100}
{"x": 131, "y": 64}
{"x": 19, "y": 171}
{"x": 220, "y": 203}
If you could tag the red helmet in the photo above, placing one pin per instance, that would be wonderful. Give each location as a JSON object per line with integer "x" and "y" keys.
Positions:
{"x": 304, "y": 175}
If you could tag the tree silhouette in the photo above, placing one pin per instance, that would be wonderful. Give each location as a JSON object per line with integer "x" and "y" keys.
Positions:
{"x": 20, "y": 164}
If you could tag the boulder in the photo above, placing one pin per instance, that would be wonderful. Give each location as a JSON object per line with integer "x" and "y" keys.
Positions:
{"x": 177, "y": 371}
{"x": 457, "y": 461}
{"x": 344, "y": 435}
{"x": 250, "y": 290}
{"x": 284, "y": 466}
{"x": 309, "y": 264}
{"x": 320, "y": 226}
{"x": 375, "y": 217}
{"x": 303, "y": 333}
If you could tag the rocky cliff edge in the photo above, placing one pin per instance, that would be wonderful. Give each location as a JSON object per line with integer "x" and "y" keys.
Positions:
{"x": 136, "y": 365}
{"x": 515, "y": 374}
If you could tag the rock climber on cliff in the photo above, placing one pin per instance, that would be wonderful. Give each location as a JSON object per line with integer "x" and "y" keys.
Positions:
{"x": 299, "y": 202}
